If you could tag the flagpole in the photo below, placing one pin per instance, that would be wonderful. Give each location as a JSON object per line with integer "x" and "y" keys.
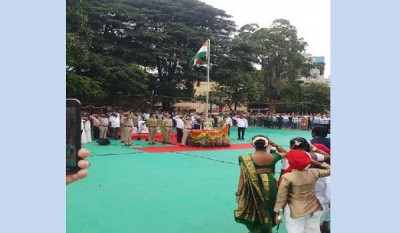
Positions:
{"x": 208, "y": 77}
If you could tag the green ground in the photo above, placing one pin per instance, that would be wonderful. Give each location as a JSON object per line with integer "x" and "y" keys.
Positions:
{"x": 132, "y": 191}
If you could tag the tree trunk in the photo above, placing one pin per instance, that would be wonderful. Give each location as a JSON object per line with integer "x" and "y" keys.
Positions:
{"x": 272, "y": 105}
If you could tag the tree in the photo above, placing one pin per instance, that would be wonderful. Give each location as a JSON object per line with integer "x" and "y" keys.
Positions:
{"x": 159, "y": 35}
{"x": 235, "y": 71}
{"x": 292, "y": 96}
{"x": 279, "y": 53}
{"x": 301, "y": 97}
{"x": 243, "y": 88}
{"x": 82, "y": 87}
{"x": 78, "y": 35}
{"x": 317, "y": 97}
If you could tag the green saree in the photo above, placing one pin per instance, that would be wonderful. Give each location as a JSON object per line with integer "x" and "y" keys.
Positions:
{"x": 258, "y": 197}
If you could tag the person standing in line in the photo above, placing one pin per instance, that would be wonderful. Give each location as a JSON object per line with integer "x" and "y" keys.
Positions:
{"x": 103, "y": 125}
{"x": 296, "y": 194}
{"x": 317, "y": 120}
{"x": 295, "y": 121}
{"x": 146, "y": 116}
{"x": 96, "y": 124}
{"x": 160, "y": 126}
{"x": 228, "y": 122}
{"x": 187, "y": 126}
{"x": 128, "y": 128}
{"x": 285, "y": 121}
{"x": 152, "y": 124}
{"x": 323, "y": 192}
{"x": 300, "y": 143}
{"x": 122, "y": 120}
{"x": 257, "y": 188}
{"x": 135, "y": 122}
{"x": 139, "y": 125}
{"x": 86, "y": 136}
{"x": 319, "y": 134}
{"x": 179, "y": 128}
{"x": 115, "y": 124}
{"x": 290, "y": 120}
{"x": 274, "y": 121}
{"x": 167, "y": 124}
{"x": 280, "y": 121}
{"x": 242, "y": 125}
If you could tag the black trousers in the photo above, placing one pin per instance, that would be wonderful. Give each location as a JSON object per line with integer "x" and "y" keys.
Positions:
{"x": 179, "y": 134}
{"x": 241, "y": 132}
{"x": 96, "y": 132}
{"x": 114, "y": 133}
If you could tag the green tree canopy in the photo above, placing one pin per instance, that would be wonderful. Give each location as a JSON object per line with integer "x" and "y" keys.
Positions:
{"x": 161, "y": 36}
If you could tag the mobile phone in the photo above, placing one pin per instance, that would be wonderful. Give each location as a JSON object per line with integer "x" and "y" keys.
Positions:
{"x": 74, "y": 132}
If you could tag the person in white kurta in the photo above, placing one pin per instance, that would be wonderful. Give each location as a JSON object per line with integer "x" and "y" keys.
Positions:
{"x": 86, "y": 136}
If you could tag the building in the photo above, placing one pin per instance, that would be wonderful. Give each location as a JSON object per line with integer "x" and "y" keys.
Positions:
{"x": 315, "y": 73}
{"x": 200, "y": 106}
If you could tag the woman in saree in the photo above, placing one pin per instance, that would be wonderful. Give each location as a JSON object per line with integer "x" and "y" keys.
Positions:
{"x": 257, "y": 189}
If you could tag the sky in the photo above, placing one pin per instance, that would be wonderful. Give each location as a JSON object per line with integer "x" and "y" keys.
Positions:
{"x": 310, "y": 17}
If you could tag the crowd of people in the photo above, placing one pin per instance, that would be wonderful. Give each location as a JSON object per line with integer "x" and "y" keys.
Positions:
{"x": 302, "y": 193}
{"x": 289, "y": 120}
{"x": 119, "y": 125}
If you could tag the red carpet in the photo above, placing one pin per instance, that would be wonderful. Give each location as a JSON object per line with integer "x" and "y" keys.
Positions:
{"x": 145, "y": 136}
{"x": 175, "y": 148}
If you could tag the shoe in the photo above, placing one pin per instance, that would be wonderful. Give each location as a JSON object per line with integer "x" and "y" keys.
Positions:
{"x": 128, "y": 144}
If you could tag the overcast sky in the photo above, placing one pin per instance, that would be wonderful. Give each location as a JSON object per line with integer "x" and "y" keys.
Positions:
{"x": 310, "y": 17}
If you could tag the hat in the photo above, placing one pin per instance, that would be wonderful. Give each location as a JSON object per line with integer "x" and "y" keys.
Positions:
{"x": 322, "y": 147}
{"x": 298, "y": 159}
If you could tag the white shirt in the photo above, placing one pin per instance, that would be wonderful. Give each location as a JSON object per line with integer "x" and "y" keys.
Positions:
{"x": 241, "y": 122}
{"x": 285, "y": 119}
{"x": 179, "y": 122}
{"x": 228, "y": 121}
{"x": 317, "y": 120}
{"x": 115, "y": 122}
{"x": 324, "y": 121}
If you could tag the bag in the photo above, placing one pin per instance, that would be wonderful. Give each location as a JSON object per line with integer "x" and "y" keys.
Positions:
{"x": 103, "y": 141}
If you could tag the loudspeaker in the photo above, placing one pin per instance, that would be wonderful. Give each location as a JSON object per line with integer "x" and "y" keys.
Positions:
{"x": 103, "y": 141}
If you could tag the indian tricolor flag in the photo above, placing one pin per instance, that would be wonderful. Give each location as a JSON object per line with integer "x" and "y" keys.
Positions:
{"x": 200, "y": 55}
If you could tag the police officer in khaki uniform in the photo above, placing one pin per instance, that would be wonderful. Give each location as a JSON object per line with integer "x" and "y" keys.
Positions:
{"x": 187, "y": 126}
{"x": 122, "y": 127}
{"x": 152, "y": 125}
{"x": 103, "y": 125}
{"x": 128, "y": 128}
{"x": 167, "y": 124}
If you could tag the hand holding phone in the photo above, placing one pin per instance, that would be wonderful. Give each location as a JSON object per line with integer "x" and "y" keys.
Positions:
{"x": 82, "y": 164}
{"x": 73, "y": 137}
